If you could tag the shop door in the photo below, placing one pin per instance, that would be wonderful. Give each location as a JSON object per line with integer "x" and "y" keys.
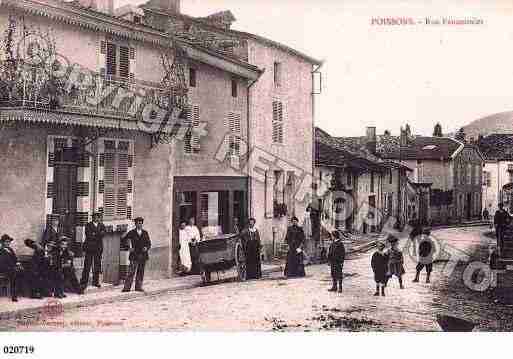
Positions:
{"x": 65, "y": 197}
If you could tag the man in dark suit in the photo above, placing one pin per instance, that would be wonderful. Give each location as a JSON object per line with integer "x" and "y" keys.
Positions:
{"x": 9, "y": 264}
{"x": 501, "y": 220}
{"x": 93, "y": 249}
{"x": 138, "y": 240}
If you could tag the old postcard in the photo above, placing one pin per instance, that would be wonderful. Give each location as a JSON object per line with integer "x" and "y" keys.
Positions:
{"x": 258, "y": 166}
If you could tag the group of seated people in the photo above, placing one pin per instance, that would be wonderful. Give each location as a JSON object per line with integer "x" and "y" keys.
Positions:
{"x": 50, "y": 267}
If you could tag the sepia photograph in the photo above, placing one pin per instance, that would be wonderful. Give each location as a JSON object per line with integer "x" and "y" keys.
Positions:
{"x": 289, "y": 166}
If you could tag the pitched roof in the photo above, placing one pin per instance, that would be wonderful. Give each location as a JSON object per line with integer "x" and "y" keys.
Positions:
{"x": 328, "y": 152}
{"x": 421, "y": 148}
{"x": 205, "y": 22}
{"x": 497, "y": 146}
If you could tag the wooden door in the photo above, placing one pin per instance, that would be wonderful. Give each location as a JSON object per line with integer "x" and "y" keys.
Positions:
{"x": 65, "y": 197}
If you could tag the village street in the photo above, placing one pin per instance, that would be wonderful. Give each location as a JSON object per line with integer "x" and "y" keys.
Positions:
{"x": 304, "y": 304}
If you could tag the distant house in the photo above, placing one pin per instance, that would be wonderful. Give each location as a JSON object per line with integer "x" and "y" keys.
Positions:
{"x": 358, "y": 191}
{"x": 497, "y": 150}
{"x": 454, "y": 170}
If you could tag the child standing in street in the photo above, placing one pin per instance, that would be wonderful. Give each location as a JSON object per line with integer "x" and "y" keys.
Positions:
{"x": 67, "y": 267}
{"x": 379, "y": 264}
{"x": 336, "y": 257}
{"x": 395, "y": 261}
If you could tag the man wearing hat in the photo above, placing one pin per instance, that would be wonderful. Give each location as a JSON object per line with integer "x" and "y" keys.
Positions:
{"x": 9, "y": 264}
{"x": 139, "y": 243}
{"x": 93, "y": 249}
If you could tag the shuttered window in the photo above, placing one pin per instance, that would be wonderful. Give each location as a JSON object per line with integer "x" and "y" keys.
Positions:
{"x": 124, "y": 62}
{"x": 192, "y": 122}
{"x": 234, "y": 126}
{"x": 277, "y": 122}
{"x": 119, "y": 60}
{"x": 111, "y": 59}
{"x": 116, "y": 179}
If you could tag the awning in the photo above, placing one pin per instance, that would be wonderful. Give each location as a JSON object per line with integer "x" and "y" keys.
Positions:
{"x": 76, "y": 119}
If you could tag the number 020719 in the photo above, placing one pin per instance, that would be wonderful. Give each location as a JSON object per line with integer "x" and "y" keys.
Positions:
{"x": 19, "y": 349}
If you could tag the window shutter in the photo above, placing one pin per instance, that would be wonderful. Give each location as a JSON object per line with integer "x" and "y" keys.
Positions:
{"x": 132, "y": 53}
{"x": 277, "y": 122}
{"x": 109, "y": 177}
{"x": 124, "y": 62}
{"x": 195, "y": 125}
{"x": 103, "y": 47}
{"x": 111, "y": 59}
{"x": 122, "y": 185}
{"x": 234, "y": 126}
{"x": 187, "y": 123}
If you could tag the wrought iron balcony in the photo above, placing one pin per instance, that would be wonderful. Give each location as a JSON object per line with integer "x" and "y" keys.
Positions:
{"x": 89, "y": 93}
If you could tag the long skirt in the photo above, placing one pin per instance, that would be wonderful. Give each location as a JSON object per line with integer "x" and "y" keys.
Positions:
{"x": 295, "y": 266}
{"x": 185, "y": 256}
{"x": 253, "y": 266}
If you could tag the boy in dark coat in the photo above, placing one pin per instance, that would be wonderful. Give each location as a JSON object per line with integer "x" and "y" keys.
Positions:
{"x": 37, "y": 274}
{"x": 379, "y": 264}
{"x": 336, "y": 257}
{"x": 55, "y": 275}
{"x": 67, "y": 267}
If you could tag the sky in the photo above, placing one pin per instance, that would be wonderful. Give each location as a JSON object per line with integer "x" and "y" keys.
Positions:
{"x": 389, "y": 75}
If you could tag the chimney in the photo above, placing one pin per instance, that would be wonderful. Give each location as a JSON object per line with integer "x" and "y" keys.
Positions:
{"x": 167, "y": 5}
{"x": 105, "y": 6}
{"x": 370, "y": 139}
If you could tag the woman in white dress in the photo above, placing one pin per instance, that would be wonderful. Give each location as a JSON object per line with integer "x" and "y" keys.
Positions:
{"x": 185, "y": 252}
{"x": 194, "y": 236}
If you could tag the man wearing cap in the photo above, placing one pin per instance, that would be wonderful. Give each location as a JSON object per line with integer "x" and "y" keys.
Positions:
{"x": 93, "y": 249}
{"x": 9, "y": 264}
{"x": 138, "y": 240}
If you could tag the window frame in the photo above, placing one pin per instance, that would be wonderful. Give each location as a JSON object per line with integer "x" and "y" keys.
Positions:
{"x": 278, "y": 122}
{"x": 277, "y": 71}
{"x": 193, "y": 77}
{"x": 235, "y": 87}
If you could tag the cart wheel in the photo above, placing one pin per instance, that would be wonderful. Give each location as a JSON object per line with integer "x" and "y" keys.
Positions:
{"x": 240, "y": 261}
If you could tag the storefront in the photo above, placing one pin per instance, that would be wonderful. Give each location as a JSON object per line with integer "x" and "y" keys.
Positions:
{"x": 213, "y": 201}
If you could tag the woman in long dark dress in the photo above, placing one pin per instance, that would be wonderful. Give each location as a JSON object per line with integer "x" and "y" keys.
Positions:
{"x": 252, "y": 248}
{"x": 295, "y": 239}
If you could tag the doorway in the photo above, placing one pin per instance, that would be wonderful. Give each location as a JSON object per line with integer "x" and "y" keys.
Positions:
{"x": 65, "y": 193}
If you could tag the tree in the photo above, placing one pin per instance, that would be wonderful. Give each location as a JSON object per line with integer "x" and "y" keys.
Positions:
{"x": 438, "y": 130}
{"x": 461, "y": 136}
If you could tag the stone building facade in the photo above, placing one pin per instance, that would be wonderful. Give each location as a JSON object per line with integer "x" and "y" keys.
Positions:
{"x": 120, "y": 156}
{"x": 280, "y": 111}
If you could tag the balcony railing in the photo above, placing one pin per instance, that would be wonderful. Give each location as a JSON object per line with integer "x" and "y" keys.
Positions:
{"x": 99, "y": 95}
